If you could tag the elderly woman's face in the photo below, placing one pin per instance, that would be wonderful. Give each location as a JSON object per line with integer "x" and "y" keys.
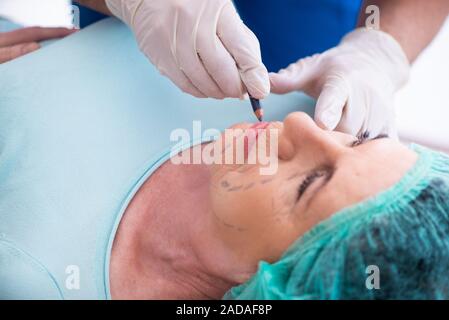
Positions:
{"x": 318, "y": 173}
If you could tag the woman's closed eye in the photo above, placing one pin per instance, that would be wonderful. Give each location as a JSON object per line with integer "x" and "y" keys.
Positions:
{"x": 312, "y": 177}
{"x": 365, "y": 136}
{"x": 326, "y": 173}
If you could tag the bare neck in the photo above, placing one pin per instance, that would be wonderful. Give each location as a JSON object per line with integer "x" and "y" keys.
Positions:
{"x": 164, "y": 247}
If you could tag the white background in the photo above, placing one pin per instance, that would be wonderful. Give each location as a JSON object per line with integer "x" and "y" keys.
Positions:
{"x": 423, "y": 104}
{"x": 48, "y": 13}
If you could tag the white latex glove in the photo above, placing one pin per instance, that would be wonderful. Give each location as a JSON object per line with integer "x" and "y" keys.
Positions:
{"x": 201, "y": 45}
{"x": 354, "y": 83}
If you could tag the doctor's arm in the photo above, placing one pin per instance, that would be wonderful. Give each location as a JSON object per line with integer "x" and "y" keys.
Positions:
{"x": 412, "y": 23}
{"x": 17, "y": 43}
{"x": 355, "y": 82}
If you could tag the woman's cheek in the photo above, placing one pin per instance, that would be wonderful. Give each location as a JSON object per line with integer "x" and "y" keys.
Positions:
{"x": 242, "y": 209}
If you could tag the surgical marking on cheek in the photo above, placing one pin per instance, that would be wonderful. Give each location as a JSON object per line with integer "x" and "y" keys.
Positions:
{"x": 225, "y": 184}
{"x": 249, "y": 186}
{"x": 246, "y": 168}
{"x": 264, "y": 181}
{"x": 228, "y": 225}
{"x": 235, "y": 188}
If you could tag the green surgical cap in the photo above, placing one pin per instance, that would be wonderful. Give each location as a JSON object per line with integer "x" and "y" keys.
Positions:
{"x": 394, "y": 245}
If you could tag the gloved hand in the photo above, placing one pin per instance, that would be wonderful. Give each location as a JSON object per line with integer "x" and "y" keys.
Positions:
{"x": 354, "y": 83}
{"x": 201, "y": 45}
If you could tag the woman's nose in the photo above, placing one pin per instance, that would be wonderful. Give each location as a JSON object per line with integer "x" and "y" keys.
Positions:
{"x": 301, "y": 135}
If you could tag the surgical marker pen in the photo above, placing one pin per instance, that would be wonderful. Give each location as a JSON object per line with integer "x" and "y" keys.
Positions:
{"x": 257, "y": 108}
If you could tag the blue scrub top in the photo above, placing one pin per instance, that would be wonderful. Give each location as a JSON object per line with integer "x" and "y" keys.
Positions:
{"x": 88, "y": 16}
{"x": 293, "y": 29}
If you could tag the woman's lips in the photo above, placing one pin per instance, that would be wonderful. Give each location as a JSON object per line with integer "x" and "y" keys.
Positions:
{"x": 259, "y": 125}
{"x": 251, "y": 135}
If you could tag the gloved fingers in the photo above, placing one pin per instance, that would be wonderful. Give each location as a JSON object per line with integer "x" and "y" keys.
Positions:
{"x": 184, "y": 83}
{"x": 221, "y": 67}
{"x": 392, "y": 131}
{"x": 372, "y": 128}
{"x": 331, "y": 102}
{"x": 188, "y": 58}
{"x": 12, "y": 52}
{"x": 244, "y": 47}
{"x": 216, "y": 59}
{"x": 391, "y": 127}
{"x": 353, "y": 116}
{"x": 176, "y": 75}
{"x": 380, "y": 117}
{"x": 295, "y": 77}
{"x": 164, "y": 60}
